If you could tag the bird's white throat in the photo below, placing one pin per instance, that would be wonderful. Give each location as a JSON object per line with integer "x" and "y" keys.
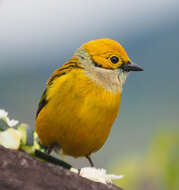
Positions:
{"x": 111, "y": 80}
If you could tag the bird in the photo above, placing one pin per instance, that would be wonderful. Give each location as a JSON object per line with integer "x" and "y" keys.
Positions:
{"x": 82, "y": 99}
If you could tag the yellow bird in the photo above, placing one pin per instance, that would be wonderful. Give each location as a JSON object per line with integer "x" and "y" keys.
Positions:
{"x": 82, "y": 98}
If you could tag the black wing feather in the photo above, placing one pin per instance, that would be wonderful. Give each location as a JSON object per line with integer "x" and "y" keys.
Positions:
{"x": 43, "y": 102}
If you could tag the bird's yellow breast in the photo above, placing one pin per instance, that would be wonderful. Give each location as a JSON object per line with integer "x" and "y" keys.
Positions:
{"x": 79, "y": 114}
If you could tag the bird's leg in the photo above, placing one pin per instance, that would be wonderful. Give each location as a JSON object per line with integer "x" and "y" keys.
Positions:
{"x": 52, "y": 147}
{"x": 90, "y": 161}
{"x": 49, "y": 149}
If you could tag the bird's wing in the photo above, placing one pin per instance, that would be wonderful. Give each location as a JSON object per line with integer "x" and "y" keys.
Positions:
{"x": 43, "y": 102}
{"x": 66, "y": 68}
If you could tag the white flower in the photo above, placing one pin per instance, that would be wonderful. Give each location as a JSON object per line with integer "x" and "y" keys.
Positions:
{"x": 98, "y": 175}
{"x": 10, "y": 138}
{"x": 4, "y": 115}
{"x": 12, "y": 122}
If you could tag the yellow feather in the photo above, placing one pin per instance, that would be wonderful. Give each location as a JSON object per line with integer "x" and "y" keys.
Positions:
{"x": 78, "y": 116}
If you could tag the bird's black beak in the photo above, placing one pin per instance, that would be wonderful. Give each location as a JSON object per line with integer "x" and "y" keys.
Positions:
{"x": 130, "y": 67}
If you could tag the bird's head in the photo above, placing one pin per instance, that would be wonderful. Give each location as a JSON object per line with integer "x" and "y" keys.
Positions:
{"x": 106, "y": 56}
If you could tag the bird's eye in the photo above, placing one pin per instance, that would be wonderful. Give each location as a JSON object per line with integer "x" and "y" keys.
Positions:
{"x": 114, "y": 59}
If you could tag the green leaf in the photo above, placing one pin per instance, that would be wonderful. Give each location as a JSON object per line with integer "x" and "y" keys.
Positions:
{"x": 3, "y": 125}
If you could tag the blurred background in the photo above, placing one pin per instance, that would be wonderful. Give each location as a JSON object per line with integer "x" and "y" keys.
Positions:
{"x": 36, "y": 37}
